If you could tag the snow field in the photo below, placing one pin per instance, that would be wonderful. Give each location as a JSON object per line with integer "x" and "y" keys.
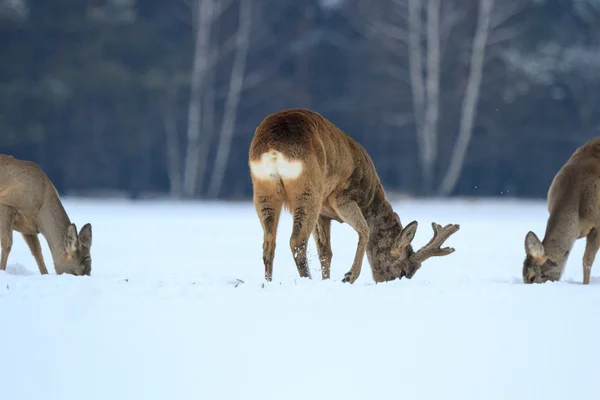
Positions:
{"x": 177, "y": 307}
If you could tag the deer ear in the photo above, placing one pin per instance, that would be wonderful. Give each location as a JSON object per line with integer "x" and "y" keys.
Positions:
{"x": 533, "y": 246}
{"x": 71, "y": 238}
{"x": 85, "y": 236}
{"x": 407, "y": 235}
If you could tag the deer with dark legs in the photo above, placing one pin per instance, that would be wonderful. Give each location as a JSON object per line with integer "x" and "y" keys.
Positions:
{"x": 302, "y": 162}
{"x": 574, "y": 213}
{"x": 29, "y": 204}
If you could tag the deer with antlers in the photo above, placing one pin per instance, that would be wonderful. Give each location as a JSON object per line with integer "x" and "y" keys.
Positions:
{"x": 301, "y": 161}
{"x": 574, "y": 208}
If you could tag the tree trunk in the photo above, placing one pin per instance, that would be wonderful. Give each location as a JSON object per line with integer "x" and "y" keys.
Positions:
{"x": 432, "y": 88}
{"x": 416, "y": 70}
{"x": 233, "y": 97}
{"x": 208, "y": 123}
{"x": 201, "y": 52}
{"x": 172, "y": 135}
{"x": 469, "y": 105}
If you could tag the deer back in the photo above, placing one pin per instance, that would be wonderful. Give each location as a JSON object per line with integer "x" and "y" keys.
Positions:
{"x": 330, "y": 160}
{"x": 574, "y": 194}
{"x": 22, "y": 185}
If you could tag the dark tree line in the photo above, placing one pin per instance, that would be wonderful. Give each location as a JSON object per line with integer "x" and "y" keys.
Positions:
{"x": 162, "y": 96}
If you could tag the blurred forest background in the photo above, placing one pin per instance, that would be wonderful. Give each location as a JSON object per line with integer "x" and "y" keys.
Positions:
{"x": 161, "y": 97}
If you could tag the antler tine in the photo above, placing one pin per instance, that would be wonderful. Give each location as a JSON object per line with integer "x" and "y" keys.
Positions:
{"x": 433, "y": 248}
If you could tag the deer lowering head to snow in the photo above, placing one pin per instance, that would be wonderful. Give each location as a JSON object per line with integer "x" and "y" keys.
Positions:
{"x": 30, "y": 204}
{"x": 300, "y": 160}
{"x": 574, "y": 207}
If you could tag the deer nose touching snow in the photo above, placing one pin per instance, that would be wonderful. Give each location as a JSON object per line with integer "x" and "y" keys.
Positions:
{"x": 301, "y": 161}
{"x": 29, "y": 203}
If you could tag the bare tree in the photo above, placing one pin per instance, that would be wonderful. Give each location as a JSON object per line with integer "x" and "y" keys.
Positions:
{"x": 208, "y": 111}
{"x": 206, "y": 11}
{"x": 213, "y": 100}
{"x": 169, "y": 117}
{"x": 425, "y": 34}
{"x": 432, "y": 91}
{"x": 415, "y": 58}
{"x": 399, "y": 25}
{"x": 236, "y": 82}
{"x": 469, "y": 104}
{"x": 488, "y": 20}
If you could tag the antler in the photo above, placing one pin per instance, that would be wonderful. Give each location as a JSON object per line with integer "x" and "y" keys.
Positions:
{"x": 432, "y": 249}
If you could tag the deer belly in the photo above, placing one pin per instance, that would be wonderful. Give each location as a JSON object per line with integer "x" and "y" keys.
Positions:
{"x": 329, "y": 213}
{"x": 23, "y": 224}
{"x": 585, "y": 228}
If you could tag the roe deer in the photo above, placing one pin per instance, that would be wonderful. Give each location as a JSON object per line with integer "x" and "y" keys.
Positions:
{"x": 300, "y": 160}
{"x": 574, "y": 207}
{"x": 29, "y": 204}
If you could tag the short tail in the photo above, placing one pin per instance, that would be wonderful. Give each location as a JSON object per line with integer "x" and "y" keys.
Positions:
{"x": 273, "y": 165}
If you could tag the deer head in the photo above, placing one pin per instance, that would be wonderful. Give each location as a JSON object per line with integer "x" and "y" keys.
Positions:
{"x": 402, "y": 261}
{"x": 77, "y": 259}
{"x": 537, "y": 264}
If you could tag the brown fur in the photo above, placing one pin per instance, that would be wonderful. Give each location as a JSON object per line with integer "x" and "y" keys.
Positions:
{"x": 29, "y": 204}
{"x": 574, "y": 207}
{"x": 337, "y": 182}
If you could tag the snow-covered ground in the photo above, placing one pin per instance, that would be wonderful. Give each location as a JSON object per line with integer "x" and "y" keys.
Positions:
{"x": 176, "y": 308}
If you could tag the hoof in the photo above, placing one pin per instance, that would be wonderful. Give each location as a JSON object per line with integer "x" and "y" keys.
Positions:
{"x": 347, "y": 276}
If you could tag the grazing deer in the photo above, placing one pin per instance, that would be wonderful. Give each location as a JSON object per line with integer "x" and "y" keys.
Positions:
{"x": 29, "y": 204}
{"x": 300, "y": 160}
{"x": 574, "y": 207}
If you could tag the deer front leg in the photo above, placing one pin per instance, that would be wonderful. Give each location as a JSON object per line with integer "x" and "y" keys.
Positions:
{"x": 352, "y": 214}
{"x": 591, "y": 248}
{"x": 6, "y": 237}
{"x": 322, "y": 236}
{"x": 36, "y": 250}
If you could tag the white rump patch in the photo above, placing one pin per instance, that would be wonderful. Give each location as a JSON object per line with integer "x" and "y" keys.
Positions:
{"x": 273, "y": 165}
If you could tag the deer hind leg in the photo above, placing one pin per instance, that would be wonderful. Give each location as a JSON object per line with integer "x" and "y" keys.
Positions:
{"x": 6, "y": 236}
{"x": 268, "y": 207}
{"x": 306, "y": 208}
{"x": 36, "y": 250}
{"x": 351, "y": 213}
{"x": 322, "y": 236}
{"x": 591, "y": 248}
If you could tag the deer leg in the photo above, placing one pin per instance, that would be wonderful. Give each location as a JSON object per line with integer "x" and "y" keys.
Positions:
{"x": 306, "y": 211}
{"x": 591, "y": 248}
{"x": 36, "y": 250}
{"x": 322, "y": 236}
{"x": 6, "y": 237}
{"x": 268, "y": 208}
{"x": 352, "y": 214}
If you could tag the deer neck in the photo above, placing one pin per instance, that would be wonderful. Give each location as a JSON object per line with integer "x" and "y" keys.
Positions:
{"x": 561, "y": 233}
{"x": 54, "y": 223}
{"x": 385, "y": 227}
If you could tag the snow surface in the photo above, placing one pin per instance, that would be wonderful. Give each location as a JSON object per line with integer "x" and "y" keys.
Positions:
{"x": 163, "y": 315}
